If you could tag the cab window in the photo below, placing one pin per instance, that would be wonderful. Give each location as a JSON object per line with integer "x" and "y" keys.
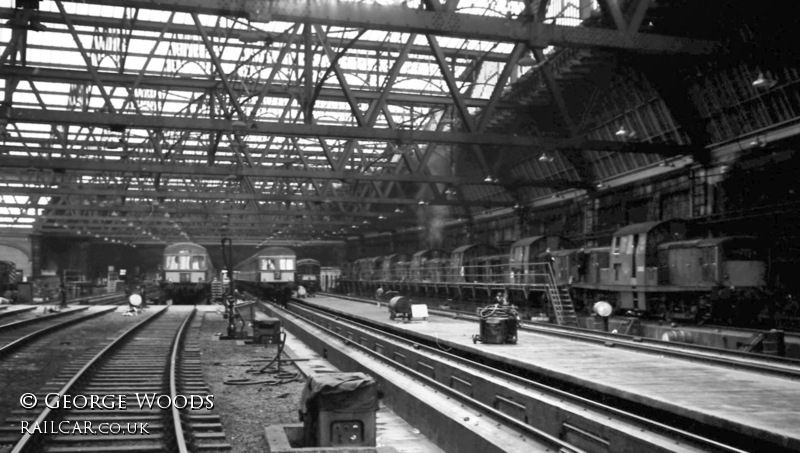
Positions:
{"x": 198, "y": 262}
{"x": 171, "y": 262}
{"x": 183, "y": 262}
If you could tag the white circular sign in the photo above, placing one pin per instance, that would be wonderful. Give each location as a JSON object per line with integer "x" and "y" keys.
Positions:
{"x": 135, "y": 300}
{"x": 603, "y": 308}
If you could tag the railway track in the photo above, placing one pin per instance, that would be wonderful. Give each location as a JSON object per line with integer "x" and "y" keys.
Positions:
{"x": 139, "y": 393}
{"x": 100, "y": 299}
{"x": 6, "y": 311}
{"x": 23, "y": 332}
{"x": 33, "y": 317}
{"x": 25, "y": 310}
{"x": 557, "y": 419}
{"x": 767, "y": 364}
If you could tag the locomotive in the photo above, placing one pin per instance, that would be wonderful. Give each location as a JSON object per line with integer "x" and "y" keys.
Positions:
{"x": 267, "y": 272}
{"x": 653, "y": 269}
{"x": 8, "y": 279}
{"x": 187, "y": 273}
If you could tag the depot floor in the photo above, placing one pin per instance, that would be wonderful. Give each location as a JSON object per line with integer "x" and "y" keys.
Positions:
{"x": 255, "y": 400}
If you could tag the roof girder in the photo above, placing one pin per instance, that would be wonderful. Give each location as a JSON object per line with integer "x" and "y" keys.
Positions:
{"x": 438, "y": 23}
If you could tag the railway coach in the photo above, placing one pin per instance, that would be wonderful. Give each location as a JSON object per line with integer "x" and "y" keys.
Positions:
{"x": 267, "y": 271}
{"x": 187, "y": 273}
{"x": 308, "y": 274}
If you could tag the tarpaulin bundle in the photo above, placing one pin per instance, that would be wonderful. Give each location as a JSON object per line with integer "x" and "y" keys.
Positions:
{"x": 340, "y": 392}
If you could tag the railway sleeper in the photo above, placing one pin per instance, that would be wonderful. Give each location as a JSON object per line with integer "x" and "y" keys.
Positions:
{"x": 155, "y": 388}
{"x": 208, "y": 435}
{"x": 212, "y": 446}
{"x": 208, "y": 426}
{"x": 139, "y": 448}
{"x": 206, "y": 417}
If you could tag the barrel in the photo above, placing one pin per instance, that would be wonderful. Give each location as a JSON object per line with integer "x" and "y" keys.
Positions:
{"x": 493, "y": 330}
{"x": 774, "y": 343}
{"x": 677, "y": 336}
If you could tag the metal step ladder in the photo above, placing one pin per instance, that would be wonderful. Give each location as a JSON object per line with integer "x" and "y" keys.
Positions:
{"x": 770, "y": 343}
{"x": 561, "y": 301}
{"x": 753, "y": 343}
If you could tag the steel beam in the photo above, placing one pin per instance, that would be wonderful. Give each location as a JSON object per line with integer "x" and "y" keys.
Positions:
{"x": 535, "y": 144}
{"x": 204, "y": 85}
{"x": 128, "y": 211}
{"x": 243, "y": 35}
{"x": 188, "y": 223}
{"x": 106, "y": 191}
{"x": 87, "y": 166}
{"x": 439, "y": 23}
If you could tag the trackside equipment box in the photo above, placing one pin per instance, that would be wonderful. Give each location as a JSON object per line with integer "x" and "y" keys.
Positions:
{"x": 267, "y": 331}
{"x": 338, "y": 409}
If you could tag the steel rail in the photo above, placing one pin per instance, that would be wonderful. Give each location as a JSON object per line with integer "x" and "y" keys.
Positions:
{"x": 25, "y": 322}
{"x": 30, "y": 443}
{"x": 21, "y": 341}
{"x": 532, "y": 432}
{"x": 8, "y": 313}
{"x": 177, "y": 344}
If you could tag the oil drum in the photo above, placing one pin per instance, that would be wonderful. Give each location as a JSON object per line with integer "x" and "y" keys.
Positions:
{"x": 399, "y": 306}
{"x": 494, "y": 330}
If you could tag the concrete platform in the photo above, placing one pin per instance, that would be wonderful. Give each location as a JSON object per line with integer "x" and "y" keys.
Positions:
{"x": 761, "y": 406}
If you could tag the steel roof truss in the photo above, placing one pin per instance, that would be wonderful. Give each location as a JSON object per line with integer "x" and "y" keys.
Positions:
{"x": 218, "y": 68}
{"x": 89, "y": 66}
{"x": 337, "y": 70}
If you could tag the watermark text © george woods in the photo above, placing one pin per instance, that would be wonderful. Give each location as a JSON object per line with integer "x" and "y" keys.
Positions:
{"x": 118, "y": 401}
{"x": 110, "y": 402}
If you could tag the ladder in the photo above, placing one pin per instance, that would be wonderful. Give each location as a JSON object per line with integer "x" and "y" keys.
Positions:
{"x": 771, "y": 343}
{"x": 753, "y": 344}
{"x": 561, "y": 300}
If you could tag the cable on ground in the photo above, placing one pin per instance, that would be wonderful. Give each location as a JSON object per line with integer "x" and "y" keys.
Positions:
{"x": 281, "y": 376}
